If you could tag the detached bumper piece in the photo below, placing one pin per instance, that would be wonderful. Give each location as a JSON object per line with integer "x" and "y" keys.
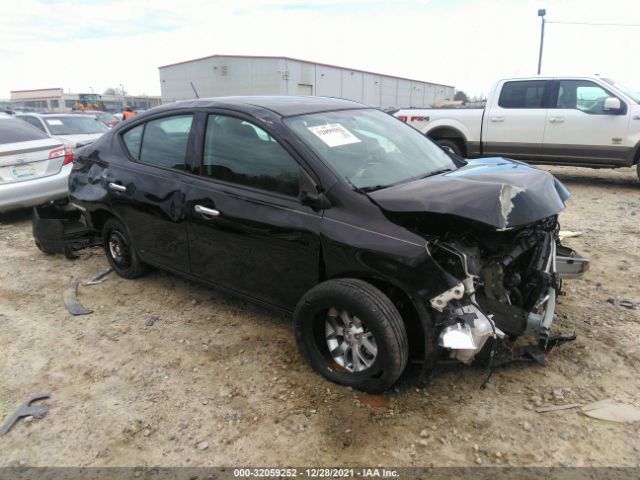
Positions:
{"x": 61, "y": 230}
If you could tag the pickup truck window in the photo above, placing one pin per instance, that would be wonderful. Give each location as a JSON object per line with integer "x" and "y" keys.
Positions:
{"x": 523, "y": 94}
{"x": 582, "y": 95}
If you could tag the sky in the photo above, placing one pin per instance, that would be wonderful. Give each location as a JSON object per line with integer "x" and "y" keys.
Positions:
{"x": 91, "y": 45}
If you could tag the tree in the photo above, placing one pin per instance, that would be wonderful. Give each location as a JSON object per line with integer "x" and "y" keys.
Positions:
{"x": 113, "y": 91}
{"x": 460, "y": 95}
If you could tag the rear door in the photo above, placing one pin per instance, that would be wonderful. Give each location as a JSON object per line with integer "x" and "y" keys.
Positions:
{"x": 580, "y": 131}
{"x": 26, "y": 153}
{"x": 148, "y": 189}
{"x": 247, "y": 229}
{"x": 514, "y": 123}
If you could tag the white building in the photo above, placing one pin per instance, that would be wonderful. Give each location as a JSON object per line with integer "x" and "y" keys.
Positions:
{"x": 58, "y": 101}
{"x": 223, "y": 75}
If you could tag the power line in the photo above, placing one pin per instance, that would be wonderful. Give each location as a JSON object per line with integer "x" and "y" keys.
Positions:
{"x": 596, "y": 24}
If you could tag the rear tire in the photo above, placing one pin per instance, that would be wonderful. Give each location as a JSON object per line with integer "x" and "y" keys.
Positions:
{"x": 119, "y": 250}
{"x": 351, "y": 332}
{"x": 638, "y": 169}
{"x": 452, "y": 146}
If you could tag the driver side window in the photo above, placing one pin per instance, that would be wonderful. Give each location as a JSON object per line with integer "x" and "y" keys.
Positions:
{"x": 240, "y": 152}
{"x": 582, "y": 95}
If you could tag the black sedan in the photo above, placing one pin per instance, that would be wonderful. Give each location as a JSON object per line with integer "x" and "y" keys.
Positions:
{"x": 381, "y": 244}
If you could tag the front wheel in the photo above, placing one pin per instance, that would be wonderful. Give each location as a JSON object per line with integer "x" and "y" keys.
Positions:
{"x": 451, "y": 146}
{"x": 119, "y": 250}
{"x": 351, "y": 332}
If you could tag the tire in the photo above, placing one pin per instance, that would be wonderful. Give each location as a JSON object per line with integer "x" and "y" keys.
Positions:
{"x": 119, "y": 250}
{"x": 638, "y": 170}
{"x": 450, "y": 145}
{"x": 376, "y": 321}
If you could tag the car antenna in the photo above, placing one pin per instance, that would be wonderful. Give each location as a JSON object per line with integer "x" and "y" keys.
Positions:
{"x": 194, "y": 90}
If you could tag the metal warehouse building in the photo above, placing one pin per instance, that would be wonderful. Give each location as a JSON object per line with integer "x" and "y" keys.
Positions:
{"x": 223, "y": 75}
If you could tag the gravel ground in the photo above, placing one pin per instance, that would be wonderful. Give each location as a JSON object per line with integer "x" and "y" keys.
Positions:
{"x": 217, "y": 381}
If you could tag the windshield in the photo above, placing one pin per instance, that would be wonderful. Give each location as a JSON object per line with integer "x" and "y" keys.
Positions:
{"x": 107, "y": 117}
{"x": 74, "y": 125}
{"x": 629, "y": 92}
{"x": 369, "y": 148}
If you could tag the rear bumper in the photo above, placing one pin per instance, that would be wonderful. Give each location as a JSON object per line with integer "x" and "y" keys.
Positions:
{"x": 35, "y": 192}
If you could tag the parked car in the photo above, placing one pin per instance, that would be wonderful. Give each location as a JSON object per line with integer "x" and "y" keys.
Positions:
{"x": 380, "y": 243}
{"x": 578, "y": 121}
{"x": 34, "y": 167}
{"x": 109, "y": 119}
{"x": 74, "y": 128}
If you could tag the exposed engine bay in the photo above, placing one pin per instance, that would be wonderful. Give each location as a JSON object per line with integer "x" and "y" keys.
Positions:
{"x": 509, "y": 283}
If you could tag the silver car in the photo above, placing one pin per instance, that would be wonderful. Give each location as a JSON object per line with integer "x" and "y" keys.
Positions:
{"x": 34, "y": 168}
{"x": 75, "y": 129}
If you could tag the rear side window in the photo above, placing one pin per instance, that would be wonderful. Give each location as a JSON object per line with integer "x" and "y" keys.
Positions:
{"x": 133, "y": 139}
{"x": 164, "y": 142}
{"x": 240, "y": 152}
{"x": 13, "y": 131}
{"x": 35, "y": 122}
{"x": 524, "y": 94}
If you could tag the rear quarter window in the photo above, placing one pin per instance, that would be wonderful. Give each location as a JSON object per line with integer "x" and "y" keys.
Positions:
{"x": 14, "y": 131}
{"x": 132, "y": 140}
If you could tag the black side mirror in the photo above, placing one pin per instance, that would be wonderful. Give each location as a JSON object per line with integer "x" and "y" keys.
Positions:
{"x": 310, "y": 194}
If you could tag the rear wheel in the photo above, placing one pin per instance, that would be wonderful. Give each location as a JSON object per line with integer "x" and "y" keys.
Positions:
{"x": 351, "y": 332}
{"x": 638, "y": 170}
{"x": 119, "y": 250}
{"x": 451, "y": 146}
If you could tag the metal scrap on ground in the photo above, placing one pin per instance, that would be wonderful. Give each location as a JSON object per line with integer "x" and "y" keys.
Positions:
{"x": 568, "y": 234}
{"x": 26, "y": 410}
{"x": 69, "y": 296}
{"x": 555, "y": 408}
{"x": 101, "y": 277}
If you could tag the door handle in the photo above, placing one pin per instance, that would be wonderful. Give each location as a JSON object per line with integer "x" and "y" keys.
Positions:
{"x": 497, "y": 119}
{"x": 117, "y": 187}
{"x": 210, "y": 212}
{"x": 556, "y": 120}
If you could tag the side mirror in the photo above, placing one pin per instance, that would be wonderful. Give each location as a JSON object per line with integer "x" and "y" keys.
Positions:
{"x": 612, "y": 105}
{"x": 309, "y": 193}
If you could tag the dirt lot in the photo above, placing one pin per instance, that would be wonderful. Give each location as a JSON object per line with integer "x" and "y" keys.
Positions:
{"x": 216, "y": 370}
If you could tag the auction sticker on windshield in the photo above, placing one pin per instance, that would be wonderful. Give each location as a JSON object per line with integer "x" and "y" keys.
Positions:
{"x": 334, "y": 134}
{"x": 53, "y": 121}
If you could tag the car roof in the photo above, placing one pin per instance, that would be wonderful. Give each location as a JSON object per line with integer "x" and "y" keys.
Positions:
{"x": 50, "y": 114}
{"x": 284, "y": 106}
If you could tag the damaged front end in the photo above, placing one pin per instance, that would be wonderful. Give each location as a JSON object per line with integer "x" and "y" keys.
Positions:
{"x": 509, "y": 283}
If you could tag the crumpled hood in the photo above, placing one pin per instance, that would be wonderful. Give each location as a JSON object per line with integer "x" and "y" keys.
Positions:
{"x": 495, "y": 191}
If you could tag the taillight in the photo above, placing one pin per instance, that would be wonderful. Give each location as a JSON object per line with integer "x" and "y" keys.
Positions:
{"x": 66, "y": 152}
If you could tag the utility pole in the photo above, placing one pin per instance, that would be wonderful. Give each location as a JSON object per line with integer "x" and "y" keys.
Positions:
{"x": 541, "y": 13}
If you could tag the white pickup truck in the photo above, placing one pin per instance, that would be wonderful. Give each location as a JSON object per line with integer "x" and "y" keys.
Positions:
{"x": 579, "y": 121}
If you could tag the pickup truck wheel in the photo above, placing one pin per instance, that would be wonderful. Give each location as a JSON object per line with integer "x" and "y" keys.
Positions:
{"x": 120, "y": 253}
{"x": 351, "y": 332}
{"x": 638, "y": 170}
{"x": 452, "y": 146}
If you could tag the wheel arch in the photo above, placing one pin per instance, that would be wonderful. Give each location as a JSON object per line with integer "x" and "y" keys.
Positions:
{"x": 441, "y": 132}
{"x": 415, "y": 316}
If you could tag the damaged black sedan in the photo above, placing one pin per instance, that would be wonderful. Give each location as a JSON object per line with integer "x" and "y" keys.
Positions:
{"x": 382, "y": 245}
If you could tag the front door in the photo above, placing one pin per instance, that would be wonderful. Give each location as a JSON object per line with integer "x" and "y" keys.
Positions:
{"x": 247, "y": 229}
{"x": 580, "y": 130}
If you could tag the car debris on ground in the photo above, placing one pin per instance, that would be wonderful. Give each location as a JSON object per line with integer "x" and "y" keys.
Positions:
{"x": 27, "y": 410}
{"x": 69, "y": 296}
{"x": 612, "y": 411}
{"x": 622, "y": 303}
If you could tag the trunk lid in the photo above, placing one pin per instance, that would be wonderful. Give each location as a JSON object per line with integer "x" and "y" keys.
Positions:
{"x": 24, "y": 161}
